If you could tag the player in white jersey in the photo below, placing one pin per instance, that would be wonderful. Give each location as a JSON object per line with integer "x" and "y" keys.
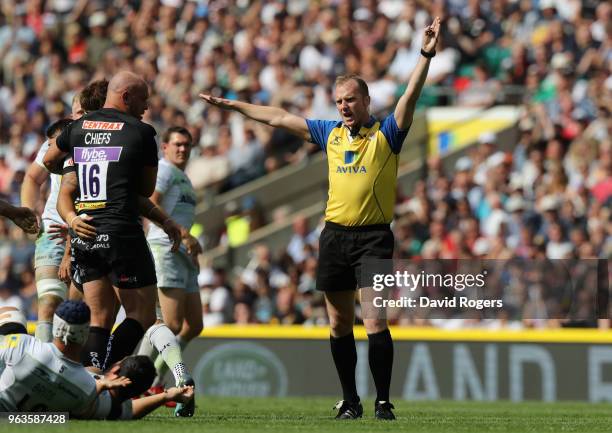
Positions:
{"x": 177, "y": 272}
{"x": 49, "y": 251}
{"x": 42, "y": 376}
{"x": 116, "y": 403}
{"x": 45, "y": 377}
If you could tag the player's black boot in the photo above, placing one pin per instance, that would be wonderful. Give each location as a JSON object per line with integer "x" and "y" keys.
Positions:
{"x": 348, "y": 410}
{"x": 382, "y": 410}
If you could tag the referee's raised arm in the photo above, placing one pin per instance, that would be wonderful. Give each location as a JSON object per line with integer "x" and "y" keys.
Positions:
{"x": 272, "y": 116}
{"x": 404, "y": 111}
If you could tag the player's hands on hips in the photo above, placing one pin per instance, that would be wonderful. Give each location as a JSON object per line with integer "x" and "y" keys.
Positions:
{"x": 181, "y": 394}
{"x": 193, "y": 247}
{"x": 58, "y": 231}
{"x": 173, "y": 230}
{"x": 26, "y": 219}
{"x": 226, "y": 104}
{"x": 81, "y": 228}
{"x": 430, "y": 39}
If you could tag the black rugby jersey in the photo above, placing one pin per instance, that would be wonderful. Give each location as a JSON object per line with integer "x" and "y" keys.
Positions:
{"x": 109, "y": 150}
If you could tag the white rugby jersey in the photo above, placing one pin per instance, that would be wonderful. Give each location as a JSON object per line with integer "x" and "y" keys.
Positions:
{"x": 37, "y": 377}
{"x": 179, "y": 199}
{"x": 50, "y": 214}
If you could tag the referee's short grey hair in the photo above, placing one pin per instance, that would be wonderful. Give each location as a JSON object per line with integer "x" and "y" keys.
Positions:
{"x": 363, "y": 87}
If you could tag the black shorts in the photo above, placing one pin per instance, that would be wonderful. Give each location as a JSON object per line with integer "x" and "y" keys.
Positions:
{"x": 125, "y": 259}
{"x": 74, "y": 272}
{"x": 342, "y": 251}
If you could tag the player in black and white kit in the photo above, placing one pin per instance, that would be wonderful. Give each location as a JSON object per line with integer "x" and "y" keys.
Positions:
{"x": 115, "y": 155}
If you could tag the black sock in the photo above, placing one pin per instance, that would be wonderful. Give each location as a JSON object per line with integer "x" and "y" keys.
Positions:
{"x": 94, "y": 350}
{"x": 124, "y": 340}
{"x": 345, "y": 357}
{"x": 380, "y": 355}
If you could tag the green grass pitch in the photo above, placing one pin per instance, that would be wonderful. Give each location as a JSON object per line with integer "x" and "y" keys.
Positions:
{"x": 314, "y": 415}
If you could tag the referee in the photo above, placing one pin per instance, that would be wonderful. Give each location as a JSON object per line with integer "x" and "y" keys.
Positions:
{"x": 362, "y": 154}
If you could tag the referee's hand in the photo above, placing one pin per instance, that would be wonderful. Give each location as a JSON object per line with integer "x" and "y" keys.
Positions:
{"x": 226, "y": 104}
{"x": 430, "y": 39}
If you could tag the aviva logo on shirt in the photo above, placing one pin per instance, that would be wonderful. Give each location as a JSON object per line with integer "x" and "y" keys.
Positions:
{"x": 349, "y": 157}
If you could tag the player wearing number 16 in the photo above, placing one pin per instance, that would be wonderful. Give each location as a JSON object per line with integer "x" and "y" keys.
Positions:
{"x": 115, "y": 156}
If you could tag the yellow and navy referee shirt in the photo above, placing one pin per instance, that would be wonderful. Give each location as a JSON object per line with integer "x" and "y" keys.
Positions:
{"x": 362, "y": 169}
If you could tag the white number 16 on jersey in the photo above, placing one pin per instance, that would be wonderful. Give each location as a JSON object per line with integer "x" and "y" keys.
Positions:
{"x": 92, "y": 180}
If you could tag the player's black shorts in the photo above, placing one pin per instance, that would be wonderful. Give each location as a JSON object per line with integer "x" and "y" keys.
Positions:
{"x": 74, "y": 272}
{"x": 125, "y": 259}
{"x": 342, "y": 251}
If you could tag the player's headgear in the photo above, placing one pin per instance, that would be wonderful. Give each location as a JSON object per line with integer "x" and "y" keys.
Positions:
{"x": 71, "y": 322}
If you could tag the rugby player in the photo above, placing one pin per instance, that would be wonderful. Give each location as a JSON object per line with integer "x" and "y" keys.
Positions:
{"x": 177, "y": 272}
{"x": 51, "y": 290}
{"x": 158, "y": 336}
{"x": 51, "y": 257}
{"x": 362, "y": 155}
{"x": 44, "y": 376}
{"x": 115, "y": 155}
{"x": 118, "y": 402}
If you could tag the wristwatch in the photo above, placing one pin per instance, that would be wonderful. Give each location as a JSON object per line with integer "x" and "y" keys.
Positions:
{"x": 426, "y": 54}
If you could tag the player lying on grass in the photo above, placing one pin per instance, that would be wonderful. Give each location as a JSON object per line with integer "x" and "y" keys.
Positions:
{"x": 37, "y": 376}
{"x": 40, "y": 376}
{"x": 117, "y": 399}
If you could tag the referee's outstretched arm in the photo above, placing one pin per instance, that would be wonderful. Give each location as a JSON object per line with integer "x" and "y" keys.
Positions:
{"x": 404, "y": 110}
{"x": 273, "y": 116}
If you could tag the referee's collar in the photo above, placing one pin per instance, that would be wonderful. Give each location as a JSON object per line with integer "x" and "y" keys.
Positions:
{"x": 371, "y": 121}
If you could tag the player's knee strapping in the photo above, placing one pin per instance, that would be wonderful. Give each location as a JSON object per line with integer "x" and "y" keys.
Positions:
{"x": 51, "y": 286}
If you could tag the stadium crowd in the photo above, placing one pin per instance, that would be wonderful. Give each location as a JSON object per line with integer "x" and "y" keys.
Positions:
{"x": 549, "y": 198}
